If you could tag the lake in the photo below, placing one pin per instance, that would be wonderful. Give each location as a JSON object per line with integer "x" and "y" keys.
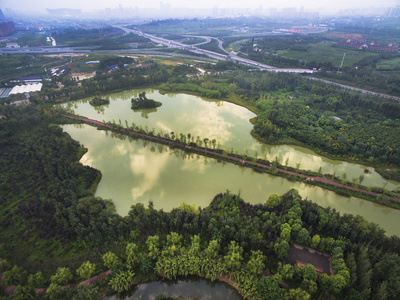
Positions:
{"x": 136, "y": 171}
{"x": 187, "y": 288}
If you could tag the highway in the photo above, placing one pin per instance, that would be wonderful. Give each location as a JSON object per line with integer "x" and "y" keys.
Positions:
{"x": 193, "y": 48}
{"x": 158, "y": 40}
{"x": 174, "y": 44}
{"x": 356, "y": 89}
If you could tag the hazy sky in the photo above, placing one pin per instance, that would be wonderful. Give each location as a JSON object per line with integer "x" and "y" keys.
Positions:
{"x": 88, "y": 5}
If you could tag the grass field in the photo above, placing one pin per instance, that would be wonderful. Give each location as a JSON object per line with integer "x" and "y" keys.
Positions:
{"x": 325, "y": 52}
{"x": 388, "y": 64}
{"x": 235, "y": 45}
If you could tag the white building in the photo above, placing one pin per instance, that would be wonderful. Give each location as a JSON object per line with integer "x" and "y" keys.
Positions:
{"x": 12, "y": 45}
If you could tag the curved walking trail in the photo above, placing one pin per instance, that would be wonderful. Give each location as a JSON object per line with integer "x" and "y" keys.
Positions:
{"x": 227, "y": 157}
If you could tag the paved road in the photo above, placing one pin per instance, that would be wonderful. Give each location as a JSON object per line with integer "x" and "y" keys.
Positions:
{"x": 356, "y": 89}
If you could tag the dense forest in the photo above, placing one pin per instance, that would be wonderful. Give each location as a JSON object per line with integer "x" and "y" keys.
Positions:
{"x": 335, "y": 121}
{"x": 55, "y": 233}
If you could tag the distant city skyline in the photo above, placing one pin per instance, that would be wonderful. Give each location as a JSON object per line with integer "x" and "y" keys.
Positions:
{"x": 93, "y": 5}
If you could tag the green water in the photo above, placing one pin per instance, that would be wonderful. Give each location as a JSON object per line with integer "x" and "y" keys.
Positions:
{"x": 136, "y": 171}
{"x": 187, "y": 288}
{"x": 226, "y": 122}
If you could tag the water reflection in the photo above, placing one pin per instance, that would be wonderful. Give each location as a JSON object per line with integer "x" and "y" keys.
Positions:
{"x": 145, "y": 112}
{"x": 227, "y": 123}
{"x": 185, "y": 288}
{"x": 136, "y": 171}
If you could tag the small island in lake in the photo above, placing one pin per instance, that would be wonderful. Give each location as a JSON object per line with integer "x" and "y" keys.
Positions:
{"x": 97, "y": 101}
{"x": 143, "y": 102}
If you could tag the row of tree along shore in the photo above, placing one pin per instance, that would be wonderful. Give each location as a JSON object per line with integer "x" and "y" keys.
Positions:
{"x": 328, "y": 181}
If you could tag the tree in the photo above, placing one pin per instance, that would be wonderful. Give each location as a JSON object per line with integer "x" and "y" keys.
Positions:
{"x": 273, "y": 200}
{"x": 352, "y": 266}
{"x": 281, "y": 250}
{"x": 324, "y": 281}
{"x": 174, "y": 239}
{"x": 361, "y": 179}
{"x": 256, "y": 263}
{"x": 36, "y": 280}
{"x": 212, "y": 249}
{"x": 62, "y": 276}
{"x": 382, "y": 293}
{"x": 309, "y": 272}
{"x": 309, "y": 286}
{"x": 15, "y": 276}
{"x": 303, "y": 237}
{"x": 205, "y": 140}
{"x": 86, "y": 270}
{"x": 132, "y": 254}
{"x": 25, "y": 293}
{"x": 5, "y": 265}
{"x": 214, "y": 141}
{"x": 287, "y": 271}
{"x": 338, "y": 284}
{"x": 234, "y": 256}
{"x": 152, "y": 244}
{"x": 110, "y": 259}
{"x": 54, "y": 291}
{"x": 315, "y": 241}
{"x": 285, "y": 234}
{"x": 89, "y": 292}
{"x": 364, "y": 273}
{"x": 195, "y": 245}
{"x": 268, "y": 289}
{"x": 121, "y": 281}
{"x": 297, "y": 294}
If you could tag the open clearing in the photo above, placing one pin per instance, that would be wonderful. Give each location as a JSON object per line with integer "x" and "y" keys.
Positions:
{"x": 388, "y": 64}
{"x": 309, "y": 256}
{"x": 326, "y": 52}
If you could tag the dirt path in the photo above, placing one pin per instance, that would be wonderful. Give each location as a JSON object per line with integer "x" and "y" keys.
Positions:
{"x": 11, "y": 289}
{"x": 242, "y": 161}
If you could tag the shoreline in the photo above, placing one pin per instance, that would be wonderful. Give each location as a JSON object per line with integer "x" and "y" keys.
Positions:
{"x": 258, "y": 165}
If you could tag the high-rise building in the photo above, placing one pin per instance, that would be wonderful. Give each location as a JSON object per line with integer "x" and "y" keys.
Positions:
{"x": 393, "y": 11}
{"x": 7, "y": 27}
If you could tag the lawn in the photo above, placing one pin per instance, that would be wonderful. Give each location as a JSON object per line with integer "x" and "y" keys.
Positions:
{"x": 326, "y": 52}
